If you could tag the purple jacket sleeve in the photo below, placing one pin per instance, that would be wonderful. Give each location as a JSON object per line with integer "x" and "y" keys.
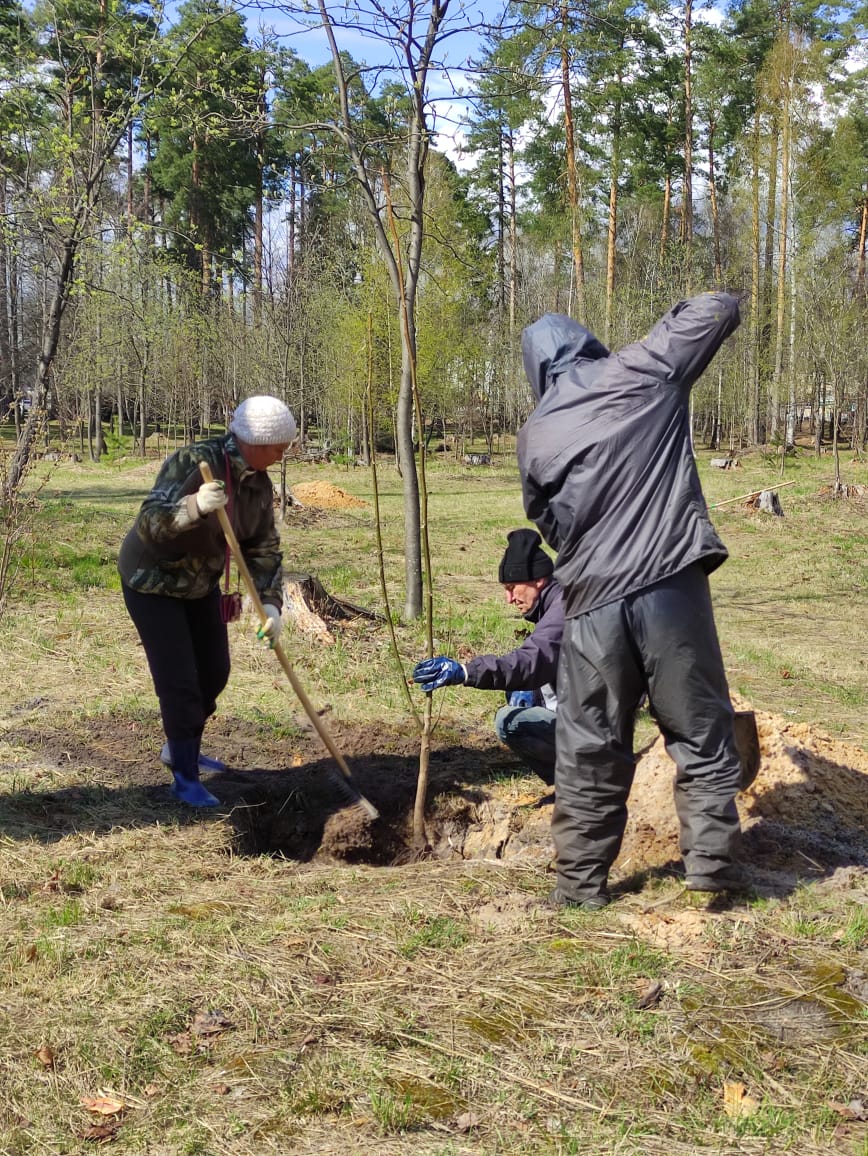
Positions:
{"x": 535, "y": 662}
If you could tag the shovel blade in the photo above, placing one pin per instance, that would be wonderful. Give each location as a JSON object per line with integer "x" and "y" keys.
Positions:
{"x": 748, "y": 746}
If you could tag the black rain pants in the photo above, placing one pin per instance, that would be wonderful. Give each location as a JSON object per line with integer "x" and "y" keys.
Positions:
{"x": 661, "y": 641}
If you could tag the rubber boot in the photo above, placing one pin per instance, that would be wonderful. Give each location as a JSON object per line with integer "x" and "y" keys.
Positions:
{"x": 206, "y": 763}
{"x": 185, "y": 771}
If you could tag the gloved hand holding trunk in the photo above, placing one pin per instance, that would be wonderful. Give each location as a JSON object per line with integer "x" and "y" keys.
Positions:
{"x": 434, "y": 673}
{"x": 520, "y": 698}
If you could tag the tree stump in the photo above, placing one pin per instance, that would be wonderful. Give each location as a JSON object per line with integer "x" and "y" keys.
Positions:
{"x": 770, "y": 503}
{"x": 308, "y": 604}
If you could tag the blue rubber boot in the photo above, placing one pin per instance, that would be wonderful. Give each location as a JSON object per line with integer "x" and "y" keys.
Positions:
{"x": 185, "y": 771}
{"x": 206, "y": 763}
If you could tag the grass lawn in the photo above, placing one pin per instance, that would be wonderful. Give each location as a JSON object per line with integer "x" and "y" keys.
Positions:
{"x": 170, "y": 989}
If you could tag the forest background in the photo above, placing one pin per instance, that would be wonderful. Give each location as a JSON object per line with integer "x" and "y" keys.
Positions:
{"x": 191, "y": 213}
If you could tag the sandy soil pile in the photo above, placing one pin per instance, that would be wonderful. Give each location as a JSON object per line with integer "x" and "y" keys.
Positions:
{"x": 325, "y": 496}
{"x": 806, "y": 810}
{"x": 811, "y": 790}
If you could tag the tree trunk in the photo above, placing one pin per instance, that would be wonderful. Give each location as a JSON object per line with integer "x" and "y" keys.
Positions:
{"x": 404, "y": 269}
{"x": 7, "y": 393}
{"x": 50, "y": 338}
{"x": 572, "y": 180}
{"x": 715, "y": 216}
{"x": 612, "y": 229}
{"x": 500, "y": 253}
{"x": 783, "y": 217}
{"x": 765, "y": 334}
{"x": 755, "y": 267}
{"x": 860, "y": 248}
{"x": 258, "y": 206}
{"x": 687, "y": 199}
{"x": 513, "y": 235}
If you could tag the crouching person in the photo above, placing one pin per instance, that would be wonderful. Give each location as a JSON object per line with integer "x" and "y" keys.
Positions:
{"x": 528, "y": 674}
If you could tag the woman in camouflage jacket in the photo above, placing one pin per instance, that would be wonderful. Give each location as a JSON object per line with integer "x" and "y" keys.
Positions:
{"x": 171, "y": 562}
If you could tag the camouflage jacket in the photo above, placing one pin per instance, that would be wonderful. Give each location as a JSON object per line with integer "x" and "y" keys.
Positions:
{"x": 171, "y": 550}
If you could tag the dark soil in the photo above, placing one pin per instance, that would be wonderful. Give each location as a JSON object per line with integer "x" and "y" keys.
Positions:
{"x": 283, "y": 796}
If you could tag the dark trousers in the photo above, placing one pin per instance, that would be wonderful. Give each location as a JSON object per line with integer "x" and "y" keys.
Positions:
{"x": 661, "y": 641}
{"x": 187, "y": 648}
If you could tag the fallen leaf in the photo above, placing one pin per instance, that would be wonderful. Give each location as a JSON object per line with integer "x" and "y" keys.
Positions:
{"x": 100, "y": 1133}
{"x": 45, "y": 1056}
{"x": 181, "y": 1044}
{"x": 103, "y": 1105}
{"x": 651, "y": 996}
{"x": 737, "y": 1103}
{"x": 209, "y": 1023}
{"x": 855, "y": 1110}
{"x": 467, "y": 1121}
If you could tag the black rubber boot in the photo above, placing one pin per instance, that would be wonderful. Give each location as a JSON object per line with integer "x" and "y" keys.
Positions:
{"x": 557, "y": 900}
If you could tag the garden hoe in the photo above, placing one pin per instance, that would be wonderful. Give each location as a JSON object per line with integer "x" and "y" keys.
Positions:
{"x": 320, "y": 726}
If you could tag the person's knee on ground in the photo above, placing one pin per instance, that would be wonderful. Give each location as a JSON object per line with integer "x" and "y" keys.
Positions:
{"x": 529, "y": 734}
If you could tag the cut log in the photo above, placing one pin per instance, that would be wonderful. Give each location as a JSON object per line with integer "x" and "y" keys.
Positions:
{"x": 724, "y": 463}
{"x": 310, "y": 606}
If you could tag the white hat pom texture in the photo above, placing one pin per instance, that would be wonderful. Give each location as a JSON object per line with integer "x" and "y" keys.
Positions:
{"x": 263, "y": 421}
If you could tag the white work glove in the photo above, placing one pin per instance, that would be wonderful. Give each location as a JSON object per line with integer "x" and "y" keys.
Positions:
{"x": 270, "y": 631}
{"x": 210, "y": 496}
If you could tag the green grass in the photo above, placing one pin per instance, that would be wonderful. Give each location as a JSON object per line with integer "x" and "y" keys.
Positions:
{"x": 435, "y": 1007}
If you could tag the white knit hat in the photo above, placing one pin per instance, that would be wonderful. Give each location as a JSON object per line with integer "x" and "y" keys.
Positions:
{"x": 263, "y": 421}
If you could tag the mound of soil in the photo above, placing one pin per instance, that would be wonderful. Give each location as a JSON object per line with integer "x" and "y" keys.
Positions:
{"x": 325, "y": 496}
{"x": 805, "y": 814}
{"x": 810, "y": 798}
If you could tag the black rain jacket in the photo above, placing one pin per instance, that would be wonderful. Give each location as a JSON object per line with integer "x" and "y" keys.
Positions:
{"x": 607, "y": 466}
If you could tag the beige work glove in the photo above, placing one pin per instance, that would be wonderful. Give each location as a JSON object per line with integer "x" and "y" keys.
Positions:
{"x": 270, "y": 631}
{"x": 210, "y": 496}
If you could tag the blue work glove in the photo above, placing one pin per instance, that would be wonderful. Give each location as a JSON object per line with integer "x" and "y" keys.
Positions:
{"x": 436, "y": 672}
{"x": 520, "y": 698}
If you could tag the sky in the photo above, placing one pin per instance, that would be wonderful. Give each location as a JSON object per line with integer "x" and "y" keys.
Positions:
{"x": 445, "y": 83}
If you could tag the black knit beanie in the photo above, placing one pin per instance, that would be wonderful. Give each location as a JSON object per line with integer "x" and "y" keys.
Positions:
{"x": 525, "y": 558}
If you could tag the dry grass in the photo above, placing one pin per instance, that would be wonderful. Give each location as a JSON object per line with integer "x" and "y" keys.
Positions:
{"x": 246, "y": 1004}
{"x": 395, "y": 1008}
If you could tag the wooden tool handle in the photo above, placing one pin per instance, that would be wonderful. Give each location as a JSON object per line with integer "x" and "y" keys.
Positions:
{"x": 309, "y": 709}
